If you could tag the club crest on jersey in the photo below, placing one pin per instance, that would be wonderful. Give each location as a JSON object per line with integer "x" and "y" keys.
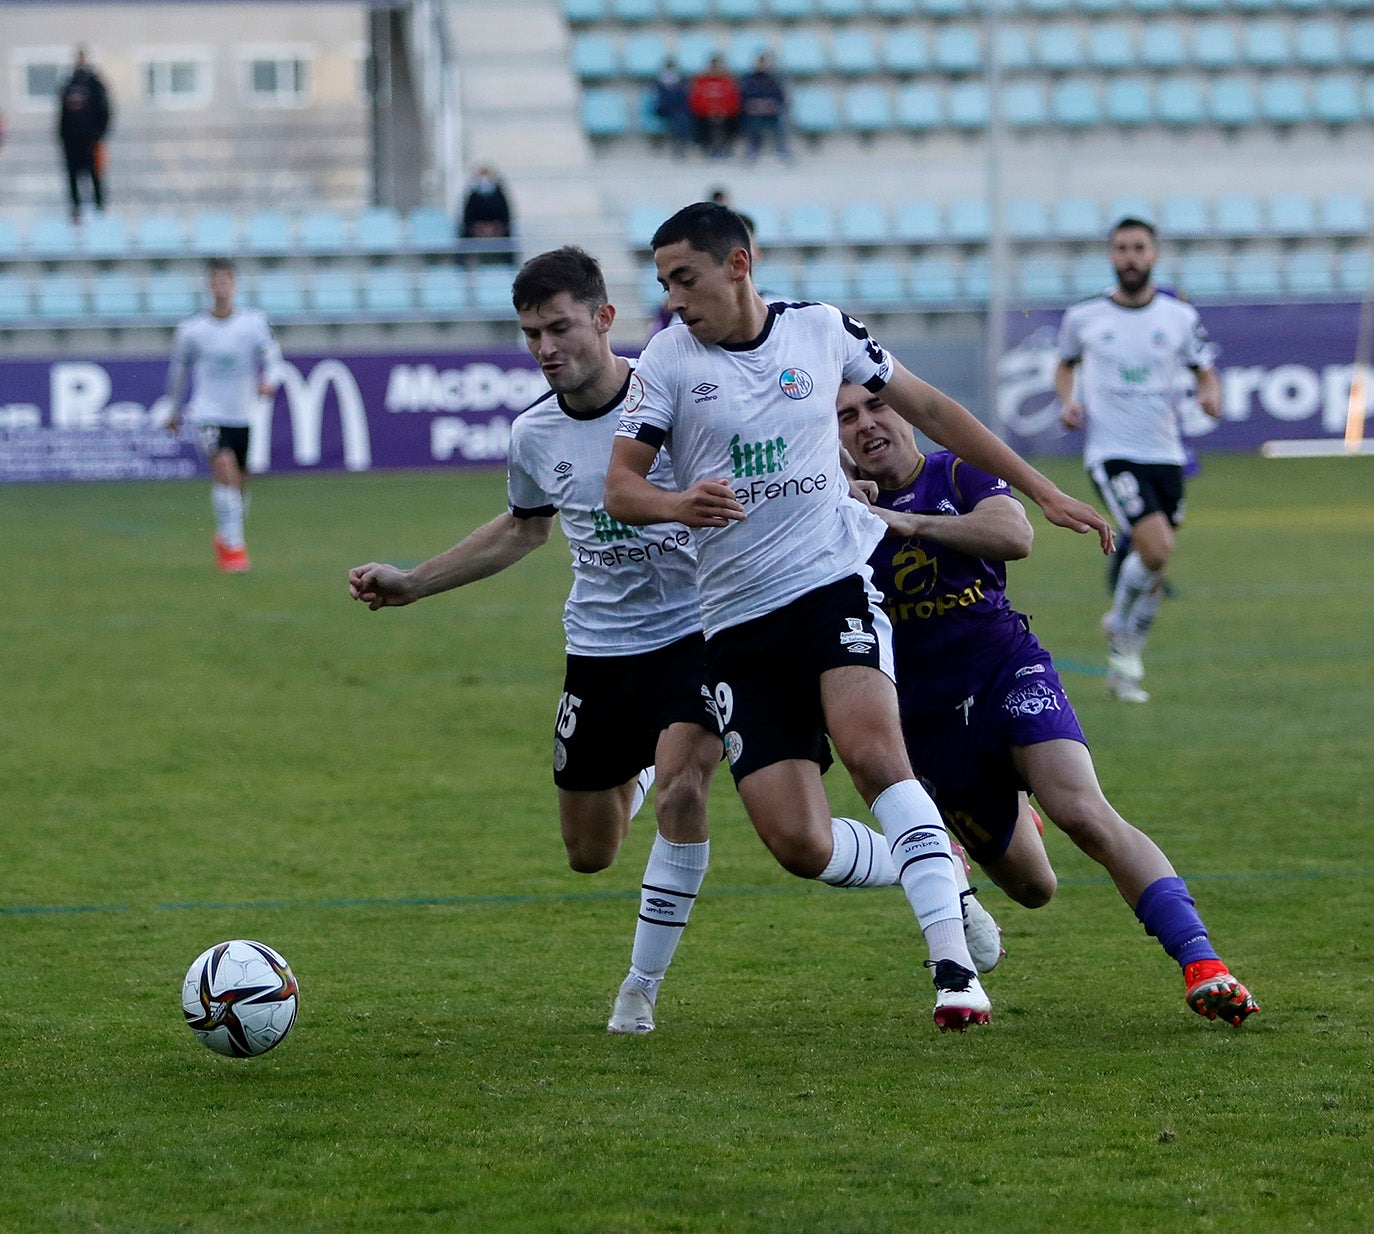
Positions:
{"x": 856, "y": 638}
{"x": 633, "y": 396}
{"x": 734, "y": 746}
{"x": 796, "y": 383}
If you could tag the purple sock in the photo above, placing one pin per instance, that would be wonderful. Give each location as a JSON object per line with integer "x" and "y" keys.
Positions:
{"x": 1167, "y": 912}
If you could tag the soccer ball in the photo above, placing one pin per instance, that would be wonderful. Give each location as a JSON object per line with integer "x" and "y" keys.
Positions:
{"x": 240, "y": 998}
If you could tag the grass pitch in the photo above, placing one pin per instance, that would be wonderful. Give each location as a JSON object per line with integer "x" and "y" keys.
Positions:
{"x": 188, "y": 757}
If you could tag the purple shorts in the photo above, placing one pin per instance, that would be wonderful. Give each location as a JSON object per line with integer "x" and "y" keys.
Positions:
{"x": 964, "y": 754}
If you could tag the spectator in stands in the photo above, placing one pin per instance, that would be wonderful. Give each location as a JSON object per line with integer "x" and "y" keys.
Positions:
{"x": 671, "y": 106}
{"x": 715, "y": 103}
{"x": 486, "y": 209}
{"x": 83, "y": 119}
{"x": 763, "y": 109}
{"x": 720, "y": 197}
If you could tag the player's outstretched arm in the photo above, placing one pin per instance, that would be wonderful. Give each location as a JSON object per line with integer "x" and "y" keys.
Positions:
{"x": 631, "y": 499}
{"x": 996, "y": 529}
{"x": 956, "y": 428}
{"x": 490, "y": 549}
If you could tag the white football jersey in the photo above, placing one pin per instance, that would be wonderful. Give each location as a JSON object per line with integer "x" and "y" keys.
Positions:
{"x": 634, "y": 588}
{"x": 225, "y": 358}
{"x": 761, "y": 415}
{"x": 1131, "y": 363}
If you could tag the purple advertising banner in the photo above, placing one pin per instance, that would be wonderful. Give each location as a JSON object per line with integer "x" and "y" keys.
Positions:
{"x": 1285, "y": 373}
{"x": 88, "y": 419}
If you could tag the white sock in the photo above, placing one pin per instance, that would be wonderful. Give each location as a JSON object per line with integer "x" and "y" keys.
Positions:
{"x": 1135, "y": 579}
{"x": 672, "y": 879}
{"x": 1142, "y": 614}
{"x": 643, "y": 784}
{"x": 227, "y": 502}
{"x": 925, "y": 864}
{"x": 859, "y": 857}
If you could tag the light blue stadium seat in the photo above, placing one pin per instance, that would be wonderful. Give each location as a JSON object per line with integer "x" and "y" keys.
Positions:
{"x": 279, "y": 293}
{"x": 378, "y": 229}
{"x": 840, "y": 10}
{"x": 1161, "y": 45}
{"x": 1099, "y": 8}
{"x": 115, "y": 294}
{"x": 864, "y": 223}
{"x": 802, "y": 54}
{"x": 268, "y": 231}
{"x": 429, "y": 228}
{"x": 1360, "y": 43}
{"x": 1149, "y": 7}
{"x": 768, "y": 224}
{"x": 105, "y": 235}
{"x": 1059, "y": 48}
{"x": 1204, "y": 275}
{"x": 1015, "y": 51}
{"x": 958, "y": 50}
{"x": 695, "y": 49}
{"x": 894, "y": 9}
{"x": 975, "y": 280}
{"x": 966, "y": 105}
{"x": 52, "y": 235}
{"x": 741, "y": 53}
{"x": 1239, "y": 216}
{"x": 809, "y": 223}
{"x": 215, "y": 233}
{"x": 9, "y": 240}
{"x": 1309, "y": 273}
{"x": 1025, "y": 219}
{"x": 1292, "y": 215}
{"x": 1266, "y": 45}
{"x": 906, "y": 51}
{"x": 968, "y": 221}
{"x": 324, "y": 231}
{"x": 852, "y": 53}
{"x": 828, "y": 281}
{"x": 335, "y": 293}
{"x": 585, "y": 12}
{"x": 945, "y": 10}
{"x": 1214, "y": 45}
{"x": 880, "y": 284}
{"x": 814, "y": 110}
{"x": 644, "y": 55}
{"x": 491, "y": 289}
{"x": 1041, "y": 278}
{"x": 172, "y": 295}
{"x": 1025, "y": 105}
{"x": 1232, "y": 102}
{"x": 642, "y": 221}
{"x": 1089, "y": 274}
{"x": 1336, "y": 99}
{"x": 634, "y": 12}
{"x": 650, "y": 293}
{"x": 920, "y": 107}
{"x": 1128, "y": 101}
{"x": 918, "y": 222}
{"x": 739, "y": 10}
{"x": 1185, "y": 218}
{"x": 1343, "y": 214}
{"x": 1305, "y": 6}
{"x": 1078, "y": 218}
{"x": 387, "y": 290}
{"x": 1045, "y": 8}
{"x": 441, "y": 290}
{"x": 789, "y": 10}
{"x": 1179, "y": 101}
{"x": 1202, "y": 6}
{"x": 1111, "y": 46}
{"x": 1317, "y": 44}
{"x": 1256, "y": 274}
{"x": 934, "y": 280}
{"x": 1353, "y": 271}
{"x": 1130, "y": 207}
{"x": 1255, "y": 6}
{"x": 605, "y": 113}
{"x": 61, "y": 298}
{"x": 685, "y": 10}
{"x": 1075, "y": 103}
{"x": 650, "y": 122}
{"x": 160, "y": 234}
{"x": 779, "y": 283}
{"x": 594, "y": 57}
{"x": 1283, "y": 100}
{"x": 14, "y": 298}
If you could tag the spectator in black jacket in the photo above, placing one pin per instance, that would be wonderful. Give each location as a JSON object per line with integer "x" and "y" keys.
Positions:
{"x": 83, "y": 119}
{"x": 763, "y": 108}
{"x": 486, "y": 211}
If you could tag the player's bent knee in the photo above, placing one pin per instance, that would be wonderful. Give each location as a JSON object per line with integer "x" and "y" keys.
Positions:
{"x": 590, "y": 860}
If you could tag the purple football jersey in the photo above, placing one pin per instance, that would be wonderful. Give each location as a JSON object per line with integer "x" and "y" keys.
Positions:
{"x": 952, "y": 628}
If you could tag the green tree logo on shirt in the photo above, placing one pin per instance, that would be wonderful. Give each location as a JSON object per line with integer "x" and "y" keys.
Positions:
{"x": 607, "y": 529}
{"x": 757, "y": 458}
{"x": 1135, "y": 374}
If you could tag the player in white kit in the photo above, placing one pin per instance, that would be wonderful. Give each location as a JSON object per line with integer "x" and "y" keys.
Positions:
{"x": 797, "y": 643}
{"x": 1128, "y": 350}
{"x": 634, "y": 702}
{"x": 229, "y": 356}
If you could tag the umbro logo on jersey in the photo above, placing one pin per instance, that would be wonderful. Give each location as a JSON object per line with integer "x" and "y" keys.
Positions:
{"x": 563, "y": 468}
{"x": 706, "y": 392}
{"x": 856, "y": 638}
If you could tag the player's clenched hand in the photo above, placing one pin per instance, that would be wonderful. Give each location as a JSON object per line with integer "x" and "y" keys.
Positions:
{"x": 1065, "y": 511}
{"x": 710, "y": 503}
{"x": 380, "y": 586}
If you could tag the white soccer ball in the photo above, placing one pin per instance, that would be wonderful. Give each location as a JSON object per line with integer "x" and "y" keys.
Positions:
{"x": 240, "y": 998}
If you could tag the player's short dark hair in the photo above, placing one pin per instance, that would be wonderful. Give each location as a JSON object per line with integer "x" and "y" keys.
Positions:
{"x": 569, "y": 269}
{"x": 1131, "y": 221}
{"x": 216, "y": 264}
{"x": 706, "y": 227}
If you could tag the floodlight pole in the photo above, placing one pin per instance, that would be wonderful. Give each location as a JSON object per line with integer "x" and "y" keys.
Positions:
{"x": 995, "y": 328}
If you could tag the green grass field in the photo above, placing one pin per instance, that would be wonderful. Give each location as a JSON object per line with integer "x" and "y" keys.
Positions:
{"x": 188, "y": 757}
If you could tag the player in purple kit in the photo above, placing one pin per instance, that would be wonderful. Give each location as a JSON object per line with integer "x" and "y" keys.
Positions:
{"x": 983, "y": 711}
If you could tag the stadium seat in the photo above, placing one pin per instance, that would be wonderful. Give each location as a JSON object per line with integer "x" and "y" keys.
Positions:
{"x": 1075, "y": 103}
{"x": 934, "y": 280}
{"x": 741, "y": 53}
{"x": 966, "y": 105}
{"x": 605, "y": 113}
{"x": 1232, "y": 102}
{"x": 585, "y": 12}
{"x": 387, "y": 290}
{"x": 324, "y": 231}
{"x": 644, "y": 54}
{"x": 880, "y": 284}
{"x": 906, "y": 52}
{"x": 1214, "y": 45}
{"x": 1317, "y": 44}
{"x": 1046, "y": 8}
{"x": 1185, "y": 218}
{"x": 334, "y": 293}
{"x": 14, "y": 298}
{"x": 1077, "y": 218}
{"x": 789, "y": 10}
{"x": 739, "y": 10}
{"x": 1111, "y": 46}
{"x": 159, "y": 235}
{"x": 172, "y": 295}
{"x": 1305, "y": 6}
{"x": 1149, "y": 7}
{"x": 975, "y": 280}
{"x": 441, "y": 290}
{"x": 642, "y": 221}
{"x": 802, "y": 54}
{"x": 1336, "y": 99}
{"x": 1360, "y": 43}
{"x": 945, "y": 10}
{"x": 429, "y": 229}
{"x": 840, "y": 10}
{"x": 968, "y": 221}
{"x": 594, "y": 57}
{"x": 814, "y": 110}
{"x": 809, "y": 224}
{"x": 378, "y": 229}
{"x": 828, "y": 281}
{"x": 104, "y": 235}
{"x": 1015, "y": 51}
{"x": 279, "y": 293}
{"x": 1256, "y": 274}
{"x": 1283, "y": 100}
{"x": 1127, "y": 101}
{"x": 491, "y": 289}
{"x": 61, "y": 298}
{"x": 1353, "y": 271}
{"x": 1100, "y": 8}
{"x": 267, "y": 231}
{"x": 918, "y": 222}
{"x": 1203, "y": 274}
{"x": 895, "y": 9}
{"x": 864, "y": 223}
{"x": 1238, "y": 216}
{"x": 695, "y": 49}
{"x": 1041, "y": 278}
{"x": 1088, "y": 274}
{"x": 1343, "y": 214}
{"x": 52, "y": 236}
{"x": 1025, "y": 105}
{"x": 215, "y": 232}
{"x": 957, "y": 50}
{"x": 9, "y": 240}
{"x": 852, "y": 53}
{"x": 1266, "y": 45}
{"x": 768, "y": 227}
{"x": 1255, "y": 6}
{"x": 634, "y": 12}
{"x": 1130, "y": 207}
{"x": 1161, "y": 46}
{"x": 1202, "y": 6}
{"x": 1309, "y": 273}
{"x": 1059, "y": 48}
{"x": 1179, "y": 102}
{"x": 685, "y": 10}
{"x": 115, "y": 294}
{"x": 920, "y": 107}
{"x": 1025, "y": 220}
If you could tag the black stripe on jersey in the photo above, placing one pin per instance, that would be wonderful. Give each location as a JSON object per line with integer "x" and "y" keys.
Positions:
{"x": 875, "y": 385}
{"x": 762, "y": 336}
{"x": 533, "y": 511}
{"x": 543, "y": 398}
{"x": 651, "y": 435}
{"x": 595, "y": 413}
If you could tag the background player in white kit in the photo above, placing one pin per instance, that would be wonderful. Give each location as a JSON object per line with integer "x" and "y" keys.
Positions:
{"x": 797, "y": 643}
{"x": 229, "y": 356}
{"x": 1128, "y": 350}
{"x": 634, "y": 695}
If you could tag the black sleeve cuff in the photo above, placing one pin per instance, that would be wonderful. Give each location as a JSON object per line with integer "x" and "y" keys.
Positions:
{"x": 651, "y": 435}
{"x": 536, "y": 512}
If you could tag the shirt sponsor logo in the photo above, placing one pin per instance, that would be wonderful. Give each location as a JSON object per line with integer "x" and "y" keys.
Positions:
{"x": 633, "y": 554}
{"x": 796, "y": 383}
{"x": 757, "y": 458}
{"x": 607, "y": 529}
